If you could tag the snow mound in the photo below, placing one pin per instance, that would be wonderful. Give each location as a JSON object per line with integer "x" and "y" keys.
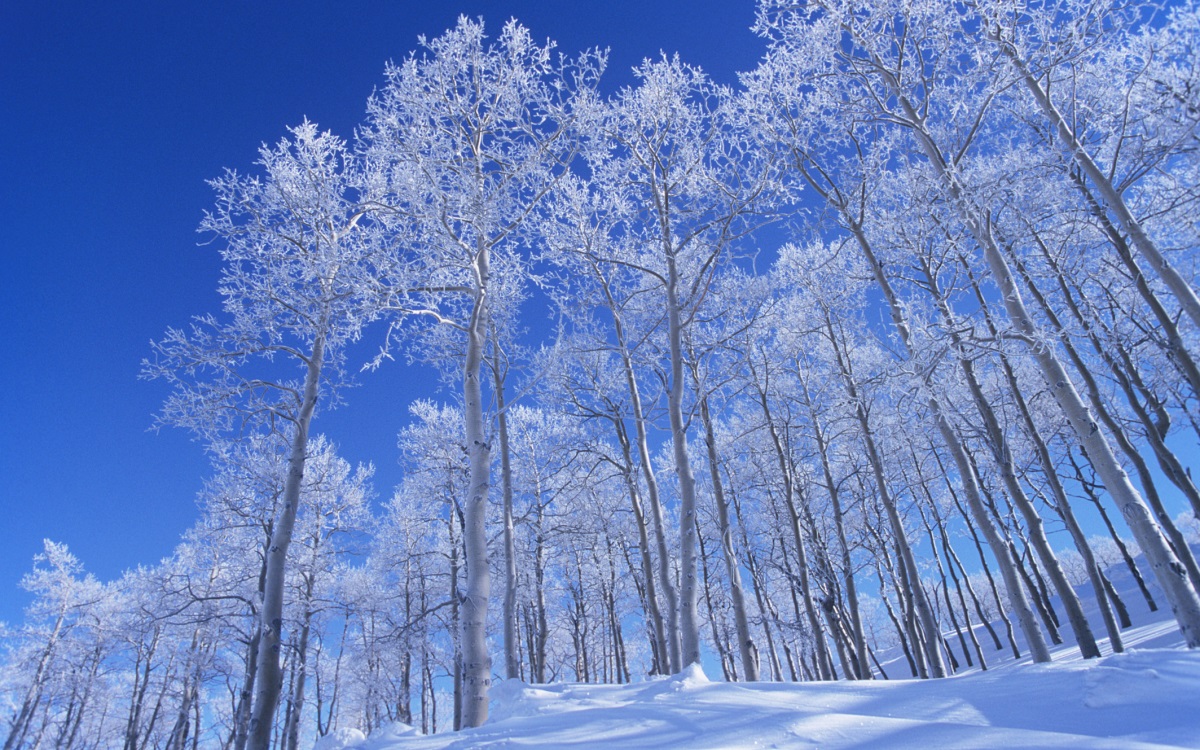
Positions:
{"x": 1155, "y": 677}
{"x": 343, "y": 738}
{"x": 513, "y": 698}
{"x": 347, "y": 738}
{"x": 691, "y": 677}
{"x": 394, "y": 731}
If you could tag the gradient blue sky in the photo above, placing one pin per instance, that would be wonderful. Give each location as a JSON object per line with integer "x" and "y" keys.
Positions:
{"x": 113, "y": 116}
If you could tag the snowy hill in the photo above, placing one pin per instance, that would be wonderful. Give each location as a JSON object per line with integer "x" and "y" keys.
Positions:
{"x": 1146, "y": 698}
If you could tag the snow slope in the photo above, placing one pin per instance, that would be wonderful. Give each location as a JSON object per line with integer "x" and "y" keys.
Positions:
{"x": 1145, "y": 698}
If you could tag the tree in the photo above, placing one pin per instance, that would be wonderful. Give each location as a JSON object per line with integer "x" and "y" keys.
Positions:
{"x": 62, "y": 600}
{"x": 463, "y": 143}
{"x": 673, "y": 184}
{"x": 299, "y": 285}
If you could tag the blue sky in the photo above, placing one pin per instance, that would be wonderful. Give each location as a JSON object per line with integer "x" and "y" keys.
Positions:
{"x": 114, "y": 115}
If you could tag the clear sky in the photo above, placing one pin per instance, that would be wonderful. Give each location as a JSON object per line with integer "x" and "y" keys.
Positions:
{"x": 112, "y": 116}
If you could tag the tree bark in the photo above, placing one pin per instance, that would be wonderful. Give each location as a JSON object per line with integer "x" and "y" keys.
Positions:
{"x": 270, "y": 676}
{"x": 1167, "y": 569}
{"x": 1184, "y": 294}
{"x": 477, "y": 662}
{"x": 746, "y": 648}
{"x": 689, "y": 626}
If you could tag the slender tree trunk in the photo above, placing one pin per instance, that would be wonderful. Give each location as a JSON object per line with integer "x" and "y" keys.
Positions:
{"x": 987, "y": 572}
{"x": 456, "y": 616}
{"x": 901, "y": 631}
{"x": 959, "y": 573}
{"x": 292, "y": 730}
{"x": 951, "y": 563}
{"x": 270, "y": 675}
{"x": 672, "y": 644}
{"x": 543, "y": 628}
{"x": 746, "y": 648}
{"x": 477, "y": 662}
{"x": 653, "y": 613}
{"x": 689, "y": 626}
{"x": 512, "y": 663}
{"x": 1090, "y": 490}
{"x": 767, "y": 611}
{"x": 1184, "y": 294}
{"x": 1185, "y": 604}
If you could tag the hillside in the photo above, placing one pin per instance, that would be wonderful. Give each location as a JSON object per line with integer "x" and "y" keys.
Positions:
{"x": 1145, "y": 698}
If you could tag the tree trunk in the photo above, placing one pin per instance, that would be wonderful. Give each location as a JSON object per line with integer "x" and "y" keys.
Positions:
{"x": 1179, "y": 286}
{"x": 746, "y": 648}
{"x": 477, "y": 662}
{"x": 512, "y": 662}
{"x": 689, "y": 626}
{"x": 671, "y": 646}
{"x": 270, "y": 676}
{"x": 653, "y": 612}
{"x": 953, "y": 443}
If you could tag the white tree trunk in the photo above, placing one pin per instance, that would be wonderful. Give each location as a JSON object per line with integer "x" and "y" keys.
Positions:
{"x": 689, "y": 620}
{"x": 737, "y": 598}
{"x": 477, "y": 662}
{"x": 512, "y": 659}
{"x": 269, "y": 681}
{"x": 670, "y": 649}
{"x": 1012, "y": 584}
{"x": 1108, "y": 193}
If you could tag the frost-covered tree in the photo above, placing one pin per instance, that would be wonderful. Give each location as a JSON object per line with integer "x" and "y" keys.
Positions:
{"x": 463, "y": 142}
{"x": 299, "y": 284}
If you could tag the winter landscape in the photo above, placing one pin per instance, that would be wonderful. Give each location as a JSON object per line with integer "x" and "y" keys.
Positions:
{"x": 845, "y": 396}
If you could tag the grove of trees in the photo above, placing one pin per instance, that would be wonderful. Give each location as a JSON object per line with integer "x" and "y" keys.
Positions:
{"x": 863, "y": 368}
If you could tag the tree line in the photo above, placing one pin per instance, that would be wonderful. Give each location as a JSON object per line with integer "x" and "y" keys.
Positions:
{"x": 787, "y": 374}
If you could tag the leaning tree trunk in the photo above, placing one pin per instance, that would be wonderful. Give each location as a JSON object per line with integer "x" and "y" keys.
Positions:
{"x": 269, "y": 680}
{"x": 950, "y": 438}
{"x": 670, "y": 648}
{"x": 1108, "y": 193}
{"x": 653, "y": 612}
{"x": 929, "y": 626}
{"x": 746, "y": 647}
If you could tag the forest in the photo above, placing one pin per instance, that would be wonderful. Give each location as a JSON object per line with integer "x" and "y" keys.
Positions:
{"x": 892, "y": 347}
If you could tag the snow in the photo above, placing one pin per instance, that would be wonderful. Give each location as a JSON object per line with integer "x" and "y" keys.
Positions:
{"x": 1148, "y": 697}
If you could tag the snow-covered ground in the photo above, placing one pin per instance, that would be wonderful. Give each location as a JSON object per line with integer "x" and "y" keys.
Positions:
{"x": 1148, "y": 697}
